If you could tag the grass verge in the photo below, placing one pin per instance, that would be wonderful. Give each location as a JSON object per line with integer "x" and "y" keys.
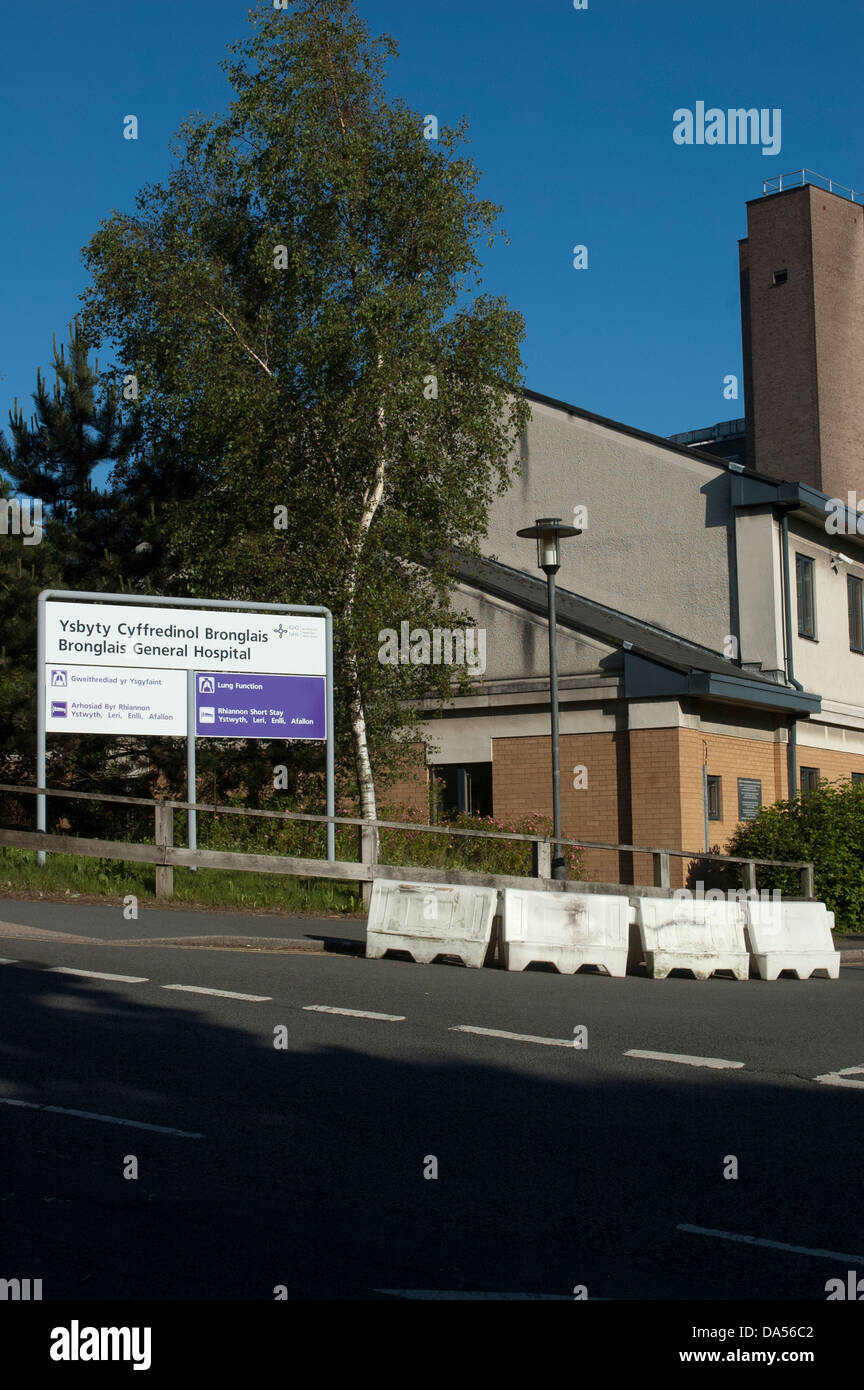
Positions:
{"x": 71, "y": 874}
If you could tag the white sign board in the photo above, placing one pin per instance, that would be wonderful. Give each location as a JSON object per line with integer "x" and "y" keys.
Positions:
{"x": 171, "y": 668}
{"x": 114, "y": 700}
{"x": 184, "y": 639}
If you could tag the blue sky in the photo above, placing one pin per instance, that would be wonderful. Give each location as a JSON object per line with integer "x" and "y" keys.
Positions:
{"x": 571, "y": 116}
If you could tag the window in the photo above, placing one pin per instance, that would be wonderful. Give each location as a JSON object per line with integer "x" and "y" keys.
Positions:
{"x": 855, "y": 596}
{"x": 462, "y": 788}
{"x": 715, "y": 803}
{"x": 809, "y": 780}
{"x": 806, "y": 604}
{"x": 858, "y": 777}
{"x": 780, "y": 277}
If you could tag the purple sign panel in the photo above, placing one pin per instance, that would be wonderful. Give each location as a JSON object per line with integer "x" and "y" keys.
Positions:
{"x": 249, "y": 706}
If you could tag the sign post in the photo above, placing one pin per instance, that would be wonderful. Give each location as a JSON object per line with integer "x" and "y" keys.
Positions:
{"x": 209, "y": 668}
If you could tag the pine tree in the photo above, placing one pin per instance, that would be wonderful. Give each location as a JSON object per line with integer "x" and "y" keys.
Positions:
{"x": 77, "y": 428}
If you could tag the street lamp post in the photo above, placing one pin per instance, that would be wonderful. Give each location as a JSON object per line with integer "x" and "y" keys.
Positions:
{"x": 547, "y": 531}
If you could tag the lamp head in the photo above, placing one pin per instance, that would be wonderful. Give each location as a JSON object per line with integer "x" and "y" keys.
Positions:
{"x": 547, "y": 531}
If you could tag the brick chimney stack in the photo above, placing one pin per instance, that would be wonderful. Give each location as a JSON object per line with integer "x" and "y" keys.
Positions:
{"x": 802, "y": 311}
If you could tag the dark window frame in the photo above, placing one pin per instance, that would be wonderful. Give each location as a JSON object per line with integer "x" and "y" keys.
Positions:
{"x": 808, "y": 780}
{"x": 805, "y": 575}
{"x": 715, "y": 787}
{"x": 855, "y": 609}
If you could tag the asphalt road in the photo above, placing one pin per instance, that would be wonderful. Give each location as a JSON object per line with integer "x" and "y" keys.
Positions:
{"x": 303, "y": 1166}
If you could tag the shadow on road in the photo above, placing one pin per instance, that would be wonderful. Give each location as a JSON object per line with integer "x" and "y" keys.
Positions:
{"x": 310, "y": 1172}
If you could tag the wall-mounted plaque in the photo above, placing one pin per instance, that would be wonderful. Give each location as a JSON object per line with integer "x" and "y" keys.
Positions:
{"x": 749, "y": 797}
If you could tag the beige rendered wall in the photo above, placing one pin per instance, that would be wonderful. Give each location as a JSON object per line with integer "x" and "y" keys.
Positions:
{"x": 517, "y": 643}
{"x": 760, "y": 589}
{"x": 827, "y": 665}
{"x": 656, "y": 541}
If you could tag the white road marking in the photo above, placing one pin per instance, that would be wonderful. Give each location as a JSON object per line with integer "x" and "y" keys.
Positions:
{"x": 772, "y": 1244}
{"x": 222, "y": 993}
{"x": 717, "y": 1062}
{"x": 352, "y": 1013}
{"x": 459, "y": 1294}
{"x": 105, "y": 1119}
{"x": 97, "y": 975}
{"x": 517, "y": 1037}
{"x": 841, "y": 1078}
{"x": 8, "y": 962}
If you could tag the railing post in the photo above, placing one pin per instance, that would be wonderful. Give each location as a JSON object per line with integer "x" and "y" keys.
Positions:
{"x": 367, "y": 853}
{"x": 808, "y": 882}
{"x": 662, "y": 877}
{"x": 541, "y": 859}
{"x": 164, "y": 840}
{"x": 748, "y": 873}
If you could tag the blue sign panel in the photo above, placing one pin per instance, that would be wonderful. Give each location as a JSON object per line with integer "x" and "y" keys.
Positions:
{"x": 259, "y": 706}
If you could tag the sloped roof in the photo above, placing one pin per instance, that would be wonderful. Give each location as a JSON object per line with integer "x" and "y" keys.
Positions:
{"x": 647, "y": 650}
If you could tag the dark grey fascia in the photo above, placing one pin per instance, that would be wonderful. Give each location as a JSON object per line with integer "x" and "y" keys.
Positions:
{"x": 644, "y": 679}
{"x": 794, "y": 497}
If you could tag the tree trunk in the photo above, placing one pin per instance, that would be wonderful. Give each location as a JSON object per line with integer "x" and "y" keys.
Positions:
{"x": 371, "y": 503}
{"x": 362, "y": 762}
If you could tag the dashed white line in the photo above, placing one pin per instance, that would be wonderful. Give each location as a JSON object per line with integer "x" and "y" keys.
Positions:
{"x": 8, "y": 962}
{"x": 221, "y": 993}
{"x": 97, "y": 975}
{"x": 458, "y": 1294}
{"x": 716, "y": 1062}
{"x": 842, "y": 1078}
{"x": 517, "y": 1037}
{"x": 772, "y": 1244}
{"x": 352, "y": 1013}
{"x": 105, "y": 1119}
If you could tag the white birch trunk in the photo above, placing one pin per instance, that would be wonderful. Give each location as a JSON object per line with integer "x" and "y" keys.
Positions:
{"x": 362, "y": 761}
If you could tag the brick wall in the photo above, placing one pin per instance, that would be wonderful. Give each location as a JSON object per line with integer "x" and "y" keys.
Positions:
{"x": 522, "y": 783}
{"x": 832, "y": 765}
{"x": 410, "y": 792}
{"x": 665, "y": 781}
{"x": 643, "y": 788}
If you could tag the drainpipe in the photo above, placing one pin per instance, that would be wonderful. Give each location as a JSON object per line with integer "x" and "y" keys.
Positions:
{"x": 705, "y": 794}
{"x": 792, "y": 745}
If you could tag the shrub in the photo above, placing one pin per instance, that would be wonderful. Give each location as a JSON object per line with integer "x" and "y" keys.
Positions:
{"x": 827, "y": 827}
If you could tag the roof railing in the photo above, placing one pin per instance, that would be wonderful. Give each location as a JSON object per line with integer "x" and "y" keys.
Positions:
{"x": 799, "y": 177}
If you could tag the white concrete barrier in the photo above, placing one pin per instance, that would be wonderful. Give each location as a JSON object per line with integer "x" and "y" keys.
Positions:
{"x": 791, "y": 936}
{"x": 698, "y": 934}
{"x": 429, "y": 920}
{"x": 567, "y": 930}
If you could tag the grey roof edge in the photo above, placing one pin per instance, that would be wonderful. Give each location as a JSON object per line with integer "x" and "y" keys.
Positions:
{"x": 715, "y": 460}
{"x": 620, "y": 428}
